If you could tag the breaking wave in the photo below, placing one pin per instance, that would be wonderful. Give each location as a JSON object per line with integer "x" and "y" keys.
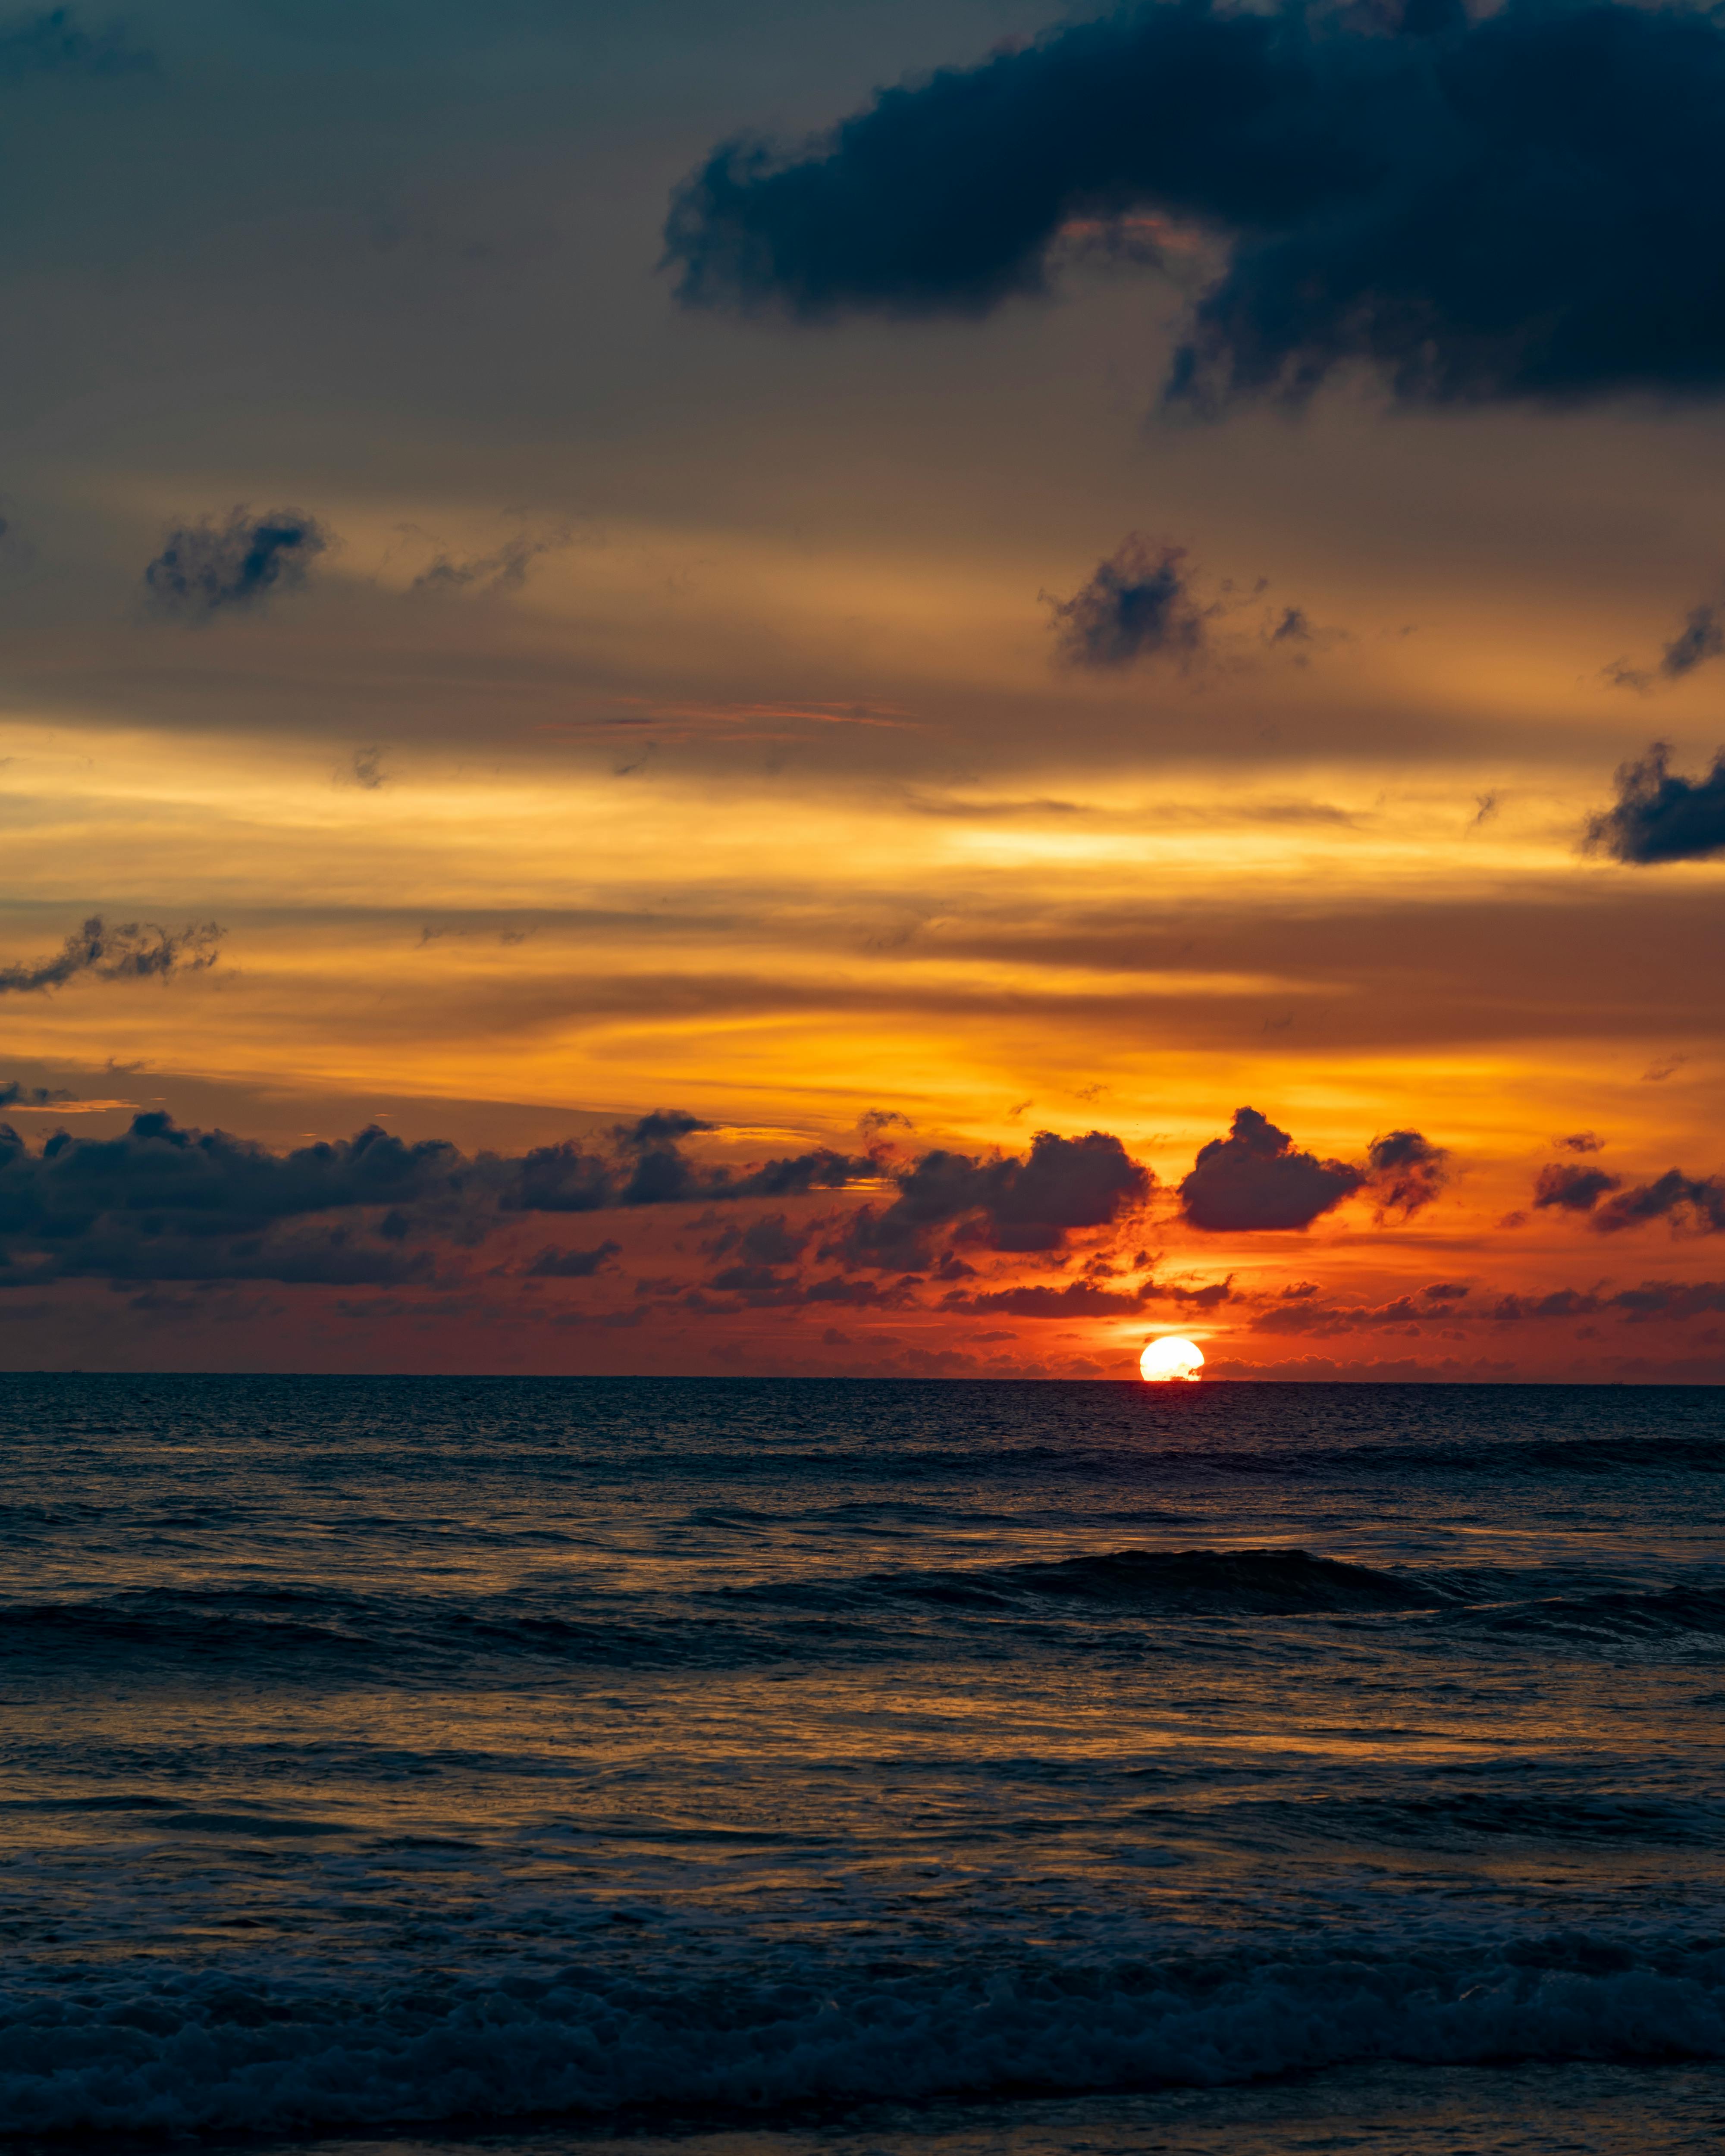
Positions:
{"x": 223, "y": 2050}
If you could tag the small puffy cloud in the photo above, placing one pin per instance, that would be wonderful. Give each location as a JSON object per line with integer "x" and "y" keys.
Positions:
{"x": 13, "y": 1094}
{"x": 130, "y": 951}
{"x": 1078, "y": 1299}
{"x": 1562, "y": 1302}
{"x": 1406, "y": 1172}
{"x": 553, "y": 1263}
{"x": 1566, "y": 1188}
{"x": 1660, "y": 816}
{"x": 504, "y": 569}
{"x": 1580, "y": 1142}
{"x": 52, "y": 41}
{"x": 1445, "y": 1291}
{"x": 1689, "y": 1204}
{"x": 1137, "y": 605}
{"x": 1008, "y": 1201}
{"x": 210, "y": 568}
{"x": 770, "y": 1240}
{"x": 1701, "y": 638}
{"x": 1255, "y": 1178}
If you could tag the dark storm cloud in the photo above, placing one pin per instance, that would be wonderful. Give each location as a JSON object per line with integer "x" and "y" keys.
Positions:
{"x": 1255, "y": 1178}
{"x": 1658, "y": 816}
{"x": 1004, "y": 1200}
{"x": 130, "y": 951}
{"x": 1406, "y": 1171}
{"x": 54, "y": 42}
{"x": 1567, "y": 1189}
{"x": 1137, "y": 605}
{"x": 1529, "y": 204}
{"x": 209, "y": 568}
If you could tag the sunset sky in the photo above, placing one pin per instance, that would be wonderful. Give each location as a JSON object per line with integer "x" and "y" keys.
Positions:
{"x": 1136, "y": 582}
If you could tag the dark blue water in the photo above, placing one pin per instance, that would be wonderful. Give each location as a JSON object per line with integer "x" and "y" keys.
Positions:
{"x": 1108, "y": 1763}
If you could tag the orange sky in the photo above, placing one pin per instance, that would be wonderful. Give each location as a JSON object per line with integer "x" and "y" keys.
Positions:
{"x": 728, "y": 765}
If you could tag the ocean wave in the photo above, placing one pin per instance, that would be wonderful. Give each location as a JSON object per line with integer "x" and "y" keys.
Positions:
{"x": 1244, "y": 1582}
{"x": 1620, "y": 1614}
{"x": 238, "y": 2049}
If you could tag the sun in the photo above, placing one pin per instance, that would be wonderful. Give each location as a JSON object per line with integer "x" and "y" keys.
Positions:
{"x": 1164, "y": 1361}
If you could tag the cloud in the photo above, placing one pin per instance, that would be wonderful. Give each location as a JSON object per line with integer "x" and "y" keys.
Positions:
{"x": 1507, "y": 206}
{"x": 1004, "y": 1200}
{"x": 1671, "y": 1299}
{"x": 504, "y": 569}
{"x": 1694, "y": 1204}
{"x": 209, "y": 568}
{"x": 366, "y": 769}
{"x": 130, "y": 951}
{"x": 1562, "y": 1302}
{"x": 13, "y": 1094}
{"x": 162, "y": 1203}
{"x": 1569, "y": 1189}
{"x": 1581, "y": 1141}
{"x": 1701, "y": 637}
{"x": 52, "y": 41}
{"x": 1078, "y": 1299}
{"x": 645, "y": 1165}
{"x": 1406, "y": 1171}
{"x": 1137, "y": 605}
{"x": 553, "y": 1263}
{"x": 769, "y": 1240}
{"x": 1254, "y": 1178}
{"x": 1659, "y": 817}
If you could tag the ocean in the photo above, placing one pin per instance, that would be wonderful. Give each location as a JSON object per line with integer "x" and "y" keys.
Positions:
{"x": 861, "y": 1769}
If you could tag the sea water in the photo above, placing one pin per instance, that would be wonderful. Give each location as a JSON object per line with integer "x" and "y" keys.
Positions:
{"x": 862, "y": 1767}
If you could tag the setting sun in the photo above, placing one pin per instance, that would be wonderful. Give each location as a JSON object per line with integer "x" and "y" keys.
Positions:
{"x": 1165, "y": 1361}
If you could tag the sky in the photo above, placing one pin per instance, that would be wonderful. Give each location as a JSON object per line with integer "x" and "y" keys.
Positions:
{"x": 888, "y": 689}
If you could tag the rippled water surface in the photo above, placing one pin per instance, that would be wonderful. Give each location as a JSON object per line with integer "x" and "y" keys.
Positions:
{"x": 865, "y": 1766}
